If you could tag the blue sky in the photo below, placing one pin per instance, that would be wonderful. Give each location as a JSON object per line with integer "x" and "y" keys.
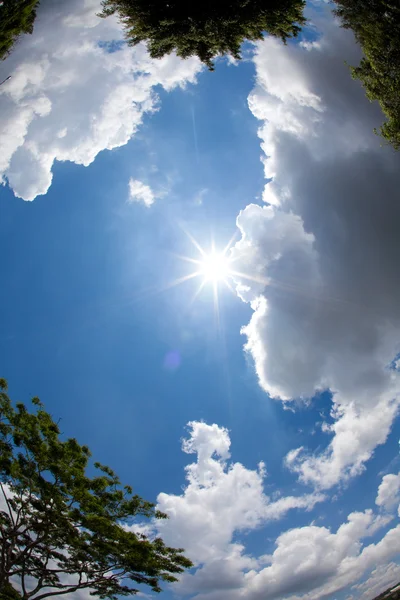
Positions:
{"x": 278, "y": 150}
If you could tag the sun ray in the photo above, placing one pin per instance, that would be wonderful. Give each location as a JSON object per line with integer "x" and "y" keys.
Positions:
{"x": 257, "y": 279}
{"x": 294, "y": 288}
{"x": 197, "y": 292}
{"x": 229, "y": 244}
{"x": 194, "y": 241}
{"x": 216, "y": 304}
{"x": 230, "y": 288}
{"x": 180, "y": 280}
{"x": 195, "y": 261}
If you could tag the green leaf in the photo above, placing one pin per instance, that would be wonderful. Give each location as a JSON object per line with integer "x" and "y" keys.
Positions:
{"x": 60, "y": 521}
{"x": 205, "y": 30}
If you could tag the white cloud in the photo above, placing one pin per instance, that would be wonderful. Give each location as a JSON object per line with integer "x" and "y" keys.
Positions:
{"x": 308, "y": 563}
{"x": 379, "y": 581}
{"x": 389, "y": 491}
{"x": 71, "y": 95}
{"x": 319, "y": 264}
{"x": 140, "y": 192}
{"x": 314, "y": 562}
{"x": 220, "y": 498}
{"x": 224, "y": 501}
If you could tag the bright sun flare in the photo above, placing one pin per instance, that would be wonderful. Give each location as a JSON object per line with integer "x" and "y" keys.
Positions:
{"x": 214, "y": 267}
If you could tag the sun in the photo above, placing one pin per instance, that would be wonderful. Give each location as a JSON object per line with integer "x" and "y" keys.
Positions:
{"x": 214, "y": 267}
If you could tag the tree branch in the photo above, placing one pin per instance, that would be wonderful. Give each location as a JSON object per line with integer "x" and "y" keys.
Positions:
{"x": 69, "y": 589}
{"x": 8, "y": 505}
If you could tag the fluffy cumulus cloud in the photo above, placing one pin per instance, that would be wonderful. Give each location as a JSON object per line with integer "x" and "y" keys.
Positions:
{"x": 220, "y": 498}
{"x": 75, "y": 89}
{"x": 224, "y": 501}
{"x": 140, "y": 192}
{"x": 314, "y": 562}
{"x": 389, "y": 492}
{"x": 319, "y": 260}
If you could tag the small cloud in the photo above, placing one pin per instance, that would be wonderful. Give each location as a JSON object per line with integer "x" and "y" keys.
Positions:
{"x": 199, "y": 197}
{"x": 140, "y": 192}
{"x": 232, "y": 62}
{"x": 315, "y": 45}
{"x": 326, "y": 427}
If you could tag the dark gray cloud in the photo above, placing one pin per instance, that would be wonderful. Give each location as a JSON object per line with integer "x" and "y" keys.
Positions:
{"x": 325, "y": 253}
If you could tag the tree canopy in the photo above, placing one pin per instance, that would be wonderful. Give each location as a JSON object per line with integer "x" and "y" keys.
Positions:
{"x": 205, "y": 29}
{"x": 63, "y": 531}
{"x": 376, "y": 25}
{"x": 16, "y": 17}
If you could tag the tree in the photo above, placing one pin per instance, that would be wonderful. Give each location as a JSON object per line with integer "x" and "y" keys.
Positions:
{"x": 63, "y": 531}
{"x": 376, "y": 26}
{"x": 9, "y": 593}
{"x": 16, "y": 17}
{"x": 204, "y": 29}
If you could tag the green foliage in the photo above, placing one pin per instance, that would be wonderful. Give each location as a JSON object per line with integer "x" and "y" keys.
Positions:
{"x": 9, "y": 593}
{"x": 16, "y": 17}
{"x": 63, "y": 531}
{"x": 376, "y": 25}
{"x": 205, "y": 29}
